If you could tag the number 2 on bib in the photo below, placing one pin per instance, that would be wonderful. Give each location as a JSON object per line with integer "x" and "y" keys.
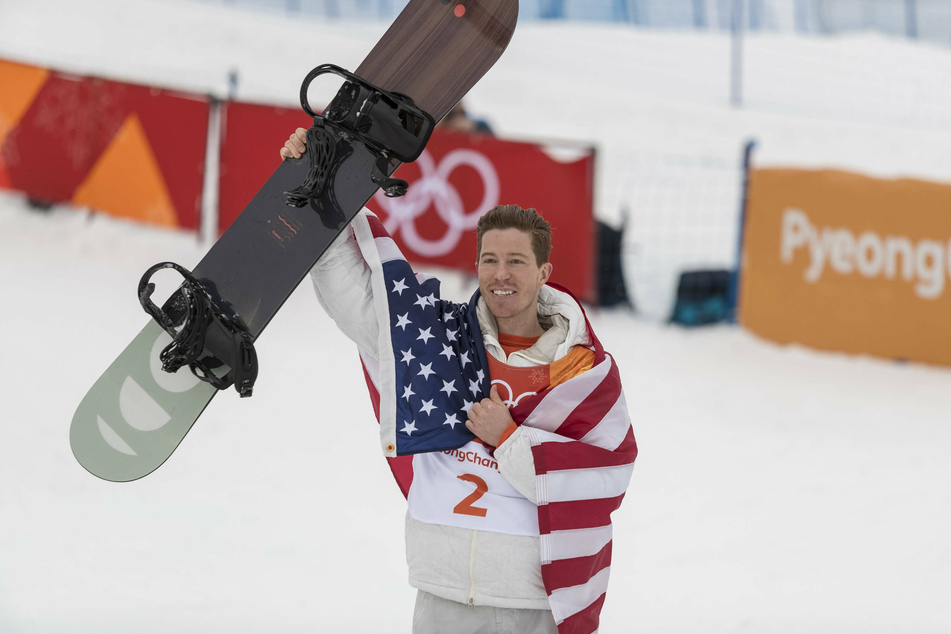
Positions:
{"x": 465, "y": 507}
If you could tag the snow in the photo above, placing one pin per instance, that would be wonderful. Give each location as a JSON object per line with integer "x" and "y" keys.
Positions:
{"x": 778, "y": 488}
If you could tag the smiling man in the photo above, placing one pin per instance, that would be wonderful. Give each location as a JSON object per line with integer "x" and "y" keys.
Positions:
{"x": 510, "y": 273}
{"x": 508, "y": 529}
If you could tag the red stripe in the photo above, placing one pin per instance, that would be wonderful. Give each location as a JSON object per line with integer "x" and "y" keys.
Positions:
{"x": 402, "y": 467}
{"x": 563, "y": 516}
{"x": 377, "y": 230}
{"x": 584, "y": 622}
{"x": 565, "y": 573}
{"x": 594, "y": 408}
{"x": 558, "y": 456}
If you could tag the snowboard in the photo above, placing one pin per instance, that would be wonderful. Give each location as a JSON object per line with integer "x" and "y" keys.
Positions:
{"x": 136, "y": 414}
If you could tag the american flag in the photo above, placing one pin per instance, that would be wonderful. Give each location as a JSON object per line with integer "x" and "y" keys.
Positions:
{"x": 430, "y": 370}
{"x": 432, "y": 365}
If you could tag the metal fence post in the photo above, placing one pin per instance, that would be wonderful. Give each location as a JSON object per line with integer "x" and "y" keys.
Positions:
{"x": 741, "y": 236}
{"x": 619, "y": 12}
{"x": 699, "y": 14}
{"x": 911, "y": 19}
{"x": 552, "y": 10}
{"x": 736, "y": 66}
{"x": 801, "y": 15}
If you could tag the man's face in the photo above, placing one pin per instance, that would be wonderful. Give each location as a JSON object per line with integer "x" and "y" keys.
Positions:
{"x": 510, "y": 278}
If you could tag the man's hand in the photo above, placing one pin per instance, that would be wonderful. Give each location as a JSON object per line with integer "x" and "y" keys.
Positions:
{"x": 489, "y": 418}
{"x": 295, "y": 146}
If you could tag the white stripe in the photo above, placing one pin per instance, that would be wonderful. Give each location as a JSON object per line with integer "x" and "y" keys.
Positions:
{"x": 538, "y": 436}
{"x": 586, "y": 484}
{"x": 388, "y": 251}
{"x": 552, "y": 411}
{"x": 541, "y": 489}
{"x": 582, "y": 542}
{"x": 385, "y": 380}
{"x": 566, "y": 602}
{"x": 372, "y": 365}
{"x": 544, "y": 543}
{"x": 611, "y": 431}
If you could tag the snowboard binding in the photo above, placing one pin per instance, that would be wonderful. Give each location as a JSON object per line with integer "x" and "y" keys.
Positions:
{"x": 387, "y": 123}
{"x": 204, "y": 337}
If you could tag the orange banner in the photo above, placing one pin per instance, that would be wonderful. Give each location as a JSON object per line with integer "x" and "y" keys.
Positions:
{"x": 850, "y": 263}
{"x": 128, "y": 150}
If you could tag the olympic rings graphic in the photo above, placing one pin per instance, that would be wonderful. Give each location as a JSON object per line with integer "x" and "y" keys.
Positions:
{"x": 512, "y": 400}
{"x": 433, "y": 188}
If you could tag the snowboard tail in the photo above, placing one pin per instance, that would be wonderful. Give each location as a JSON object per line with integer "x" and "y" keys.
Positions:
{"x": 136, "y": 414}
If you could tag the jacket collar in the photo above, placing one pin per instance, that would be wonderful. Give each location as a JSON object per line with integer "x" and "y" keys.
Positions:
{"x": 560, "y": 315}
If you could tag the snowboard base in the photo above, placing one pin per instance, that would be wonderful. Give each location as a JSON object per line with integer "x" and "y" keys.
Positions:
{"x": 136, "y": 414}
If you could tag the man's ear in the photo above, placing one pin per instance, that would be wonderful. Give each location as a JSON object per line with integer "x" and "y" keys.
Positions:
{"x": 546, "y": 271}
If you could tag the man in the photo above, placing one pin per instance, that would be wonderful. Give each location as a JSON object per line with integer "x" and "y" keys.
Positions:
{"x": 508, "y": 531}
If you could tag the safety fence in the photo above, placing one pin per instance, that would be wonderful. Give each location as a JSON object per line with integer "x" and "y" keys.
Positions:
{"x": 681, "y": 214}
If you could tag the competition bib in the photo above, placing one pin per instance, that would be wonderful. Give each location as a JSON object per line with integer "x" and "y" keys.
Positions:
{"x": 463, "y": 487}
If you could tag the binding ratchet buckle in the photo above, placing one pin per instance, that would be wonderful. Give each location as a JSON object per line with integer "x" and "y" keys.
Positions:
{"x": 388, "y": 123}
{"x": 215, "y": 345}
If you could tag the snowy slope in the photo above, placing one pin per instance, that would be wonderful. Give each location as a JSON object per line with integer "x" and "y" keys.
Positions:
{"x": 777, "y": 490}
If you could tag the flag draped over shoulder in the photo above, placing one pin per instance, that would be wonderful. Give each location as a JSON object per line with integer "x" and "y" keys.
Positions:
{"x": 584, "y": 449}
{"x": 431, "y": 368}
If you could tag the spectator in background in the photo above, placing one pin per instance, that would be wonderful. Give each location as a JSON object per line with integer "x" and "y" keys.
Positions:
{"x": 458, "y": 120}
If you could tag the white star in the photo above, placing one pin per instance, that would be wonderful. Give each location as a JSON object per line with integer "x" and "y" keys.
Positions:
{"x": 448, "y": 352}
{"x": 409, "y": 427}
{"x": 421, "y": 301}
{"x": 474, "y": 387}
{"x": 451, "y": 335}
{"x": 431, "y": 299}
{"x": 465, "y": 358}
{"x": 399, "y": 287}
{"x": 426, "y": 370}
{"x": 428, "y": 406}
{"x": 408, "y": 392}
{"x": 425, "y": 335}
{"x": 403, "y": 321}
{"x": 447, "y": 317}
{"x": 481, "y": 375}
{"x": 452, "y": 421}
{"x": 466, "y": 405}
{"x": 448, "y": 387}
{"x": 407, "y": 355}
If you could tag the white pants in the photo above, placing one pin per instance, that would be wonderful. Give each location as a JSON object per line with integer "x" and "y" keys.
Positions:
{"x": 435, "y": 615}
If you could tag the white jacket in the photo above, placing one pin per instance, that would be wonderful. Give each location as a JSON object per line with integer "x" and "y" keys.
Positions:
{"x": 459, "y": 564}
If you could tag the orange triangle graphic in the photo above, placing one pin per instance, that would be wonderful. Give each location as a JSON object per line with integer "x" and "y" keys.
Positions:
{"x": 20, "y": 84}
{"x": 126, "y": 180}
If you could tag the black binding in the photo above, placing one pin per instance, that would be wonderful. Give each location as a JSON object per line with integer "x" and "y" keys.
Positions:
{"x": 204, "y": 337}
{"x": 387, "y": 123}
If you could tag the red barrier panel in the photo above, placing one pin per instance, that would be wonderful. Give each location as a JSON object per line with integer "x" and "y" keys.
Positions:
{"x": 124, "y": 149}
{"x": 251, "y": 138}
{"x": 457, "y": 179}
